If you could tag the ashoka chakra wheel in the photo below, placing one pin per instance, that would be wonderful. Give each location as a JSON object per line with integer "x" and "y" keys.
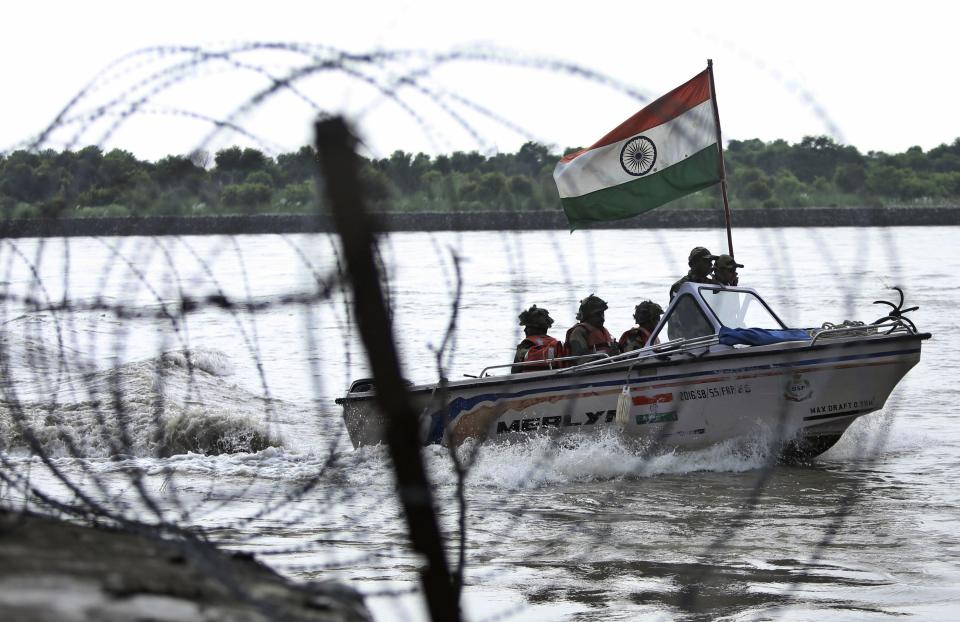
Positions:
{"x": 638, "y": 155}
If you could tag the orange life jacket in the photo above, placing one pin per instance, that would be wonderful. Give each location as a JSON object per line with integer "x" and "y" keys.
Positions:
{"x": 544, "y": 348}
{"x": 598, "y": 339}
{"x": 637, "y": 334}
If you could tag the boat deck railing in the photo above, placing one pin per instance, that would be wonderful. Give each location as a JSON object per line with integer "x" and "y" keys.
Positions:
{"x": 599, "y": 359}
{"x": 886, "y": 326}
{"x": 693, "y": 347}
{"x": 554, "y": 363}
{"x": 697, "y": 346}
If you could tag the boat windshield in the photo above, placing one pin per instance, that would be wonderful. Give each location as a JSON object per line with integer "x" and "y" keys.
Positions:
{"x": 739, "y": 309}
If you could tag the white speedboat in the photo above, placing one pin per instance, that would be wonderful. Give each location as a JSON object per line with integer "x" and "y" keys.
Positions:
{"x": 714, "y": 378}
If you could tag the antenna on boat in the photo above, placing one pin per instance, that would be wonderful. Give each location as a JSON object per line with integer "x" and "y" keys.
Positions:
{"x": 723, "y": 172}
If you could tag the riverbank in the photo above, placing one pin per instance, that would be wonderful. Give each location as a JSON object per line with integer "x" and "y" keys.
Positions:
{"x": 482, "y": 221}
{"x": 53, "y": 570}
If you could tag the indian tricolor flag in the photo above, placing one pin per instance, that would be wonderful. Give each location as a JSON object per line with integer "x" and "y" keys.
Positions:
{"x": 667, "y": 150}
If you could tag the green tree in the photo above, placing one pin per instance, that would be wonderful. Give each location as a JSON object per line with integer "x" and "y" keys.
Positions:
{"x": 260, "y": 177}
{"x": 788, "y": 188}
{"x": 532, "y": 157}
{"x": 376, "y": 185}
{"x": 885, "y": 180}
{"x": 86, "y": 163}
{"x": 442, "y": 164}
{"x": 120, "y": 172}
{"x": 948, "y": 184}
{"x": 25, "y": 211}
{"x": 179, "y": 171}
{"x": 749, "y": 174}
{"x": 758, "y": 189}
{"x": 432, "y": 184}
{"x": 20, "y": 182}
{"x": 301, "y": 196}
{"x": 913, "y": 159}
{"x": 520, "y": 186}
{"x": 819, "y": 156}
{"x": 405, "y": 170}
{"x": 492, "y": 186}
{"x": 89, "y": 182}
{"x": 233, "y": 165}
{"x": 850, "y": 177}
{"x": 23, "y": 178}
{"x": 913, "y": 186}
{"x": 466, "y": 162}
{"x": 246, "y": 197}
{"x": 297, "y": 167}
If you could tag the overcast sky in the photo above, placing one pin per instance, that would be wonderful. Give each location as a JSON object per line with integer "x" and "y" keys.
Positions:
{"x": 876, "y": 75}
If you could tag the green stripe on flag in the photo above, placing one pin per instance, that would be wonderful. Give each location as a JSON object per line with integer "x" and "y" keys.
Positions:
{"x": 699, "y": 171}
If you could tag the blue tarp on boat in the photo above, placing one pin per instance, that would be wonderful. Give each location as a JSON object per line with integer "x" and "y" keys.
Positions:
{"x": 760, "y": 336}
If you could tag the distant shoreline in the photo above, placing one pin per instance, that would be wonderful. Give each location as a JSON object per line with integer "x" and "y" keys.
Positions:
{"x": 482, "y": 221}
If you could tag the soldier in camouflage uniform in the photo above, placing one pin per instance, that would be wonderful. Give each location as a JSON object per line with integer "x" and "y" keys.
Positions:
{"x": 701, "y": 264}
{"x": 588, "y": 335}
{"x": 647, "y": 315}
{"x": 725, "y": 271}
{"x": 537, "y": 345}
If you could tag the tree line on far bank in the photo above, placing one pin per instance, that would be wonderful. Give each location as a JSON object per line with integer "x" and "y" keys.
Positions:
{"x": 814, "y": 172}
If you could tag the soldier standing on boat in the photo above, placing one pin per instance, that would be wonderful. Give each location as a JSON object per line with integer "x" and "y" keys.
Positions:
{"x": 537, "y": 345}
{"x": 589, "y": 336}
{"x": 701, "y": 264}
{"x": 647, "y": 315}
{"x": 725, "y": 271}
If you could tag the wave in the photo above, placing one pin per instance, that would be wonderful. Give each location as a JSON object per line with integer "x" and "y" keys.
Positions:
{"x": 541, "y": 461}
{"x": 213, "y": 362}
{"x": 229, "y": 445}
{"x": 211, "y": 434}
{"x": 876, "y": 434}
{"x": 537, "y": 463}
{"x": 174, "y": 403}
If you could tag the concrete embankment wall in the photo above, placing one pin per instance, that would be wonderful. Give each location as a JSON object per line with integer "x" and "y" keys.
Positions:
{"x": 483, "y": 221}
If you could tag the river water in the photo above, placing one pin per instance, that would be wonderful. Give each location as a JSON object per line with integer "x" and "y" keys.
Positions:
{"x": 244, "y": 439}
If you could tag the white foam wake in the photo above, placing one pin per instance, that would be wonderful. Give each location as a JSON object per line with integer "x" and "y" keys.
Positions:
{"x": 542, "y": 462}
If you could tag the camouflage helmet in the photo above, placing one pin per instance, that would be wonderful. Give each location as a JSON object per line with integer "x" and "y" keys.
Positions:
{"x": 647, "y": 311}
{"x": 535, "y": 316}
{"x": 726, "y": 262}
{"x": 590, "y": 304}
{"x": 699, "y": 252}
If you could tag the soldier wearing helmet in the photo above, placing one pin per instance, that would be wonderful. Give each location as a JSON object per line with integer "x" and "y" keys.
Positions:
{"x": 537, "y": 345}
{"x": 701, "y": 265}
{"x": 588, "y": 335}
{"x": 725, "y": 271}
{"x": 647, "y": 315}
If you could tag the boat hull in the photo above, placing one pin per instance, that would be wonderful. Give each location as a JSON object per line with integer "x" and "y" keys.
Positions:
{"x": 801, "y": 396}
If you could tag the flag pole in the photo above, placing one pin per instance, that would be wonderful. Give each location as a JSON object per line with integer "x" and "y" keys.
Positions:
{"x": 723, "y": 172}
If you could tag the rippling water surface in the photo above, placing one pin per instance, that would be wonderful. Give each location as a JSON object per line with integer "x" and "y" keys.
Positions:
{"x": 586, "y": 531}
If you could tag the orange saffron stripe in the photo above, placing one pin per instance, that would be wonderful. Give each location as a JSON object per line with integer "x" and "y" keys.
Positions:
{"x": 670, "y": 106}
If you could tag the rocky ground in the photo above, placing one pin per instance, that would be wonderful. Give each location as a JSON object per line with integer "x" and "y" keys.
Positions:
{"x": 55, "y": 571}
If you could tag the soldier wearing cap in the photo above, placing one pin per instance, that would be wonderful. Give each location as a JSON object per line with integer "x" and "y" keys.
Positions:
{"x": 647, "y": 315}
{"x": 588, "y": 335}
{"x": 701, "y": 264}
{"x": 537, "y": 345}
{"x": 725, "y": 271}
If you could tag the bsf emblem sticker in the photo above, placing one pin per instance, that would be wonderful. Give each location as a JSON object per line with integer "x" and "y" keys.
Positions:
{"x": 798, "y": 389}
